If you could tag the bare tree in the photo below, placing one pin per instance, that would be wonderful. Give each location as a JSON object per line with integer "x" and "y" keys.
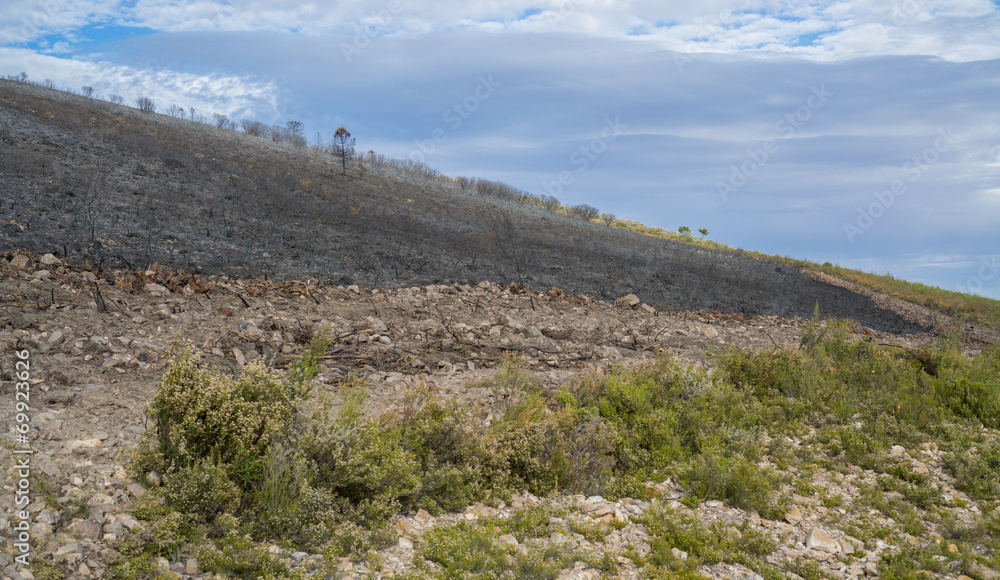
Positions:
{"x": 90, "y": 202}
{"x": 49, "y": 84}
{"x": 116, "y": 99}
{"x": 294, "y": 127}
{"x": 223, "y": 121}
{"x": 175, "y": 111}
{"x": 145, "y": 104}
{"x": 510, "y": 245}
{"x": 254, "y": 128}
{"x": 608, "y": 219}
{"x": 343, "y": 147}
{"x": 87, "y": 92}
{"x": 584, "y": 211}
{"x": 23, "y": 77}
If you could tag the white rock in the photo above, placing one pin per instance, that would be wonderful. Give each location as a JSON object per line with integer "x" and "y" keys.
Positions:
{"x": 817, "y": 539}
{"x": 50, "y": 260}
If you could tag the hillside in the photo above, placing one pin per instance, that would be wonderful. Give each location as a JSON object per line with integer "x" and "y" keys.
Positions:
{"x": 127, "y": 189}
{"x": 224, "y": 359}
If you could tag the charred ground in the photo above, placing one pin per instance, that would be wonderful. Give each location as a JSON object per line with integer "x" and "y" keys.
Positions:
{"x": 84, "y": 179}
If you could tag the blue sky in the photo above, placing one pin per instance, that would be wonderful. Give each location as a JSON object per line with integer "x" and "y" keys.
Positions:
{"x": 857, "y": 132}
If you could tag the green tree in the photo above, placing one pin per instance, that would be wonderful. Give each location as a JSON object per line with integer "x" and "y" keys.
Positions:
{"x": 703, "y": 232}
{"x": 684, "y": 231}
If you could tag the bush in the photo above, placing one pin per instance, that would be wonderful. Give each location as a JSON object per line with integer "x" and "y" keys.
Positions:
{"x": 145, "y": 104}
{"x": 235, "y": 553}
{"x": 356, "y": 459}
{"x": 736, "y": 480}
{"x": 704, "y": 543}
{"x": 971, "y": 400}
{"x": 204, "y": 491}
{"x": 201, "y": 414}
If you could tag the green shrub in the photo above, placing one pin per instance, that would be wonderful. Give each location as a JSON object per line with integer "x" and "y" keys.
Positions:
{"x": 466, "y": 548}
{"x": 356, "y": 460}
{"x": 977, "y": 469}
{"x": 201, "y": 414}
{"x": 236, "y": 554}
{"x": 202, "y": 491}
{"x": 736, "y": 480}
{"x": 284, "y": 477}
{"x": 971, "y": 400}
{"x": 704, "y": 543}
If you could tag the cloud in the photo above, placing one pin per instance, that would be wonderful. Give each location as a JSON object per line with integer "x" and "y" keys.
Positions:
{"x": 232, "y": 95}
{"x": 961, "y": 31}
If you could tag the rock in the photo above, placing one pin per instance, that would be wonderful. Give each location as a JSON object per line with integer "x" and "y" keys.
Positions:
{"x": 81, "y": 444}
{"x": 136, "y": 489}
{"x": 240, "y": 359}
{"x": 47, "y": 516}
{"x": 897, "y": 451}
{"x": 817, "y": 539}
{"x": 508, "y": 539}
{"x": 100, "y": 499}
{"x": 647, "y": 308}
{"x": 558, "y": 538}
{"x": 846, "y": 547}
{"x": 154, "y": 478}
{"x": 83, "y": 569}
{"x": 87, "y": 530}
{"x": 405, "y": 544}
{"x": 984, "y": 572}
{"x": 156, "y": 289}
{"x": 56, "y": 338}
{"x": 21, "y": 262}
{"x": 793, "y": 515}
{"x": 628, "y": 301}
{"x": 50, "y": 260}
{"x": 709, "y": 331}
{"x": 679, "y": 554}
{"x": 191, "y": 566}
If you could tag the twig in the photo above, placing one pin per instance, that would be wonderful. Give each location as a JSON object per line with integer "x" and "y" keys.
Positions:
{"x": 98, "y": 298}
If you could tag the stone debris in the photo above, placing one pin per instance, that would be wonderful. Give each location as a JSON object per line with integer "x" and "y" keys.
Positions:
{"x": 102, "y": 368}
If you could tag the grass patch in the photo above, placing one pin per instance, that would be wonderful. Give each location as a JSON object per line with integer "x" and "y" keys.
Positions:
{"x": 326, "y": 478}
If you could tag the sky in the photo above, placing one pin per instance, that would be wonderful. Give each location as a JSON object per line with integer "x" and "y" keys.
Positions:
{"x": 860, "y": 132}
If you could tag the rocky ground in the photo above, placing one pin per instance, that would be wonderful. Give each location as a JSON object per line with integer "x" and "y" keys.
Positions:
{"x": 99, "y": 341}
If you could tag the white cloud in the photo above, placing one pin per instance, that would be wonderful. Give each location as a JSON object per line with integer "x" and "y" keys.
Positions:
{"x": 959, "y": 30}
{"x": 231, "y": 95}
